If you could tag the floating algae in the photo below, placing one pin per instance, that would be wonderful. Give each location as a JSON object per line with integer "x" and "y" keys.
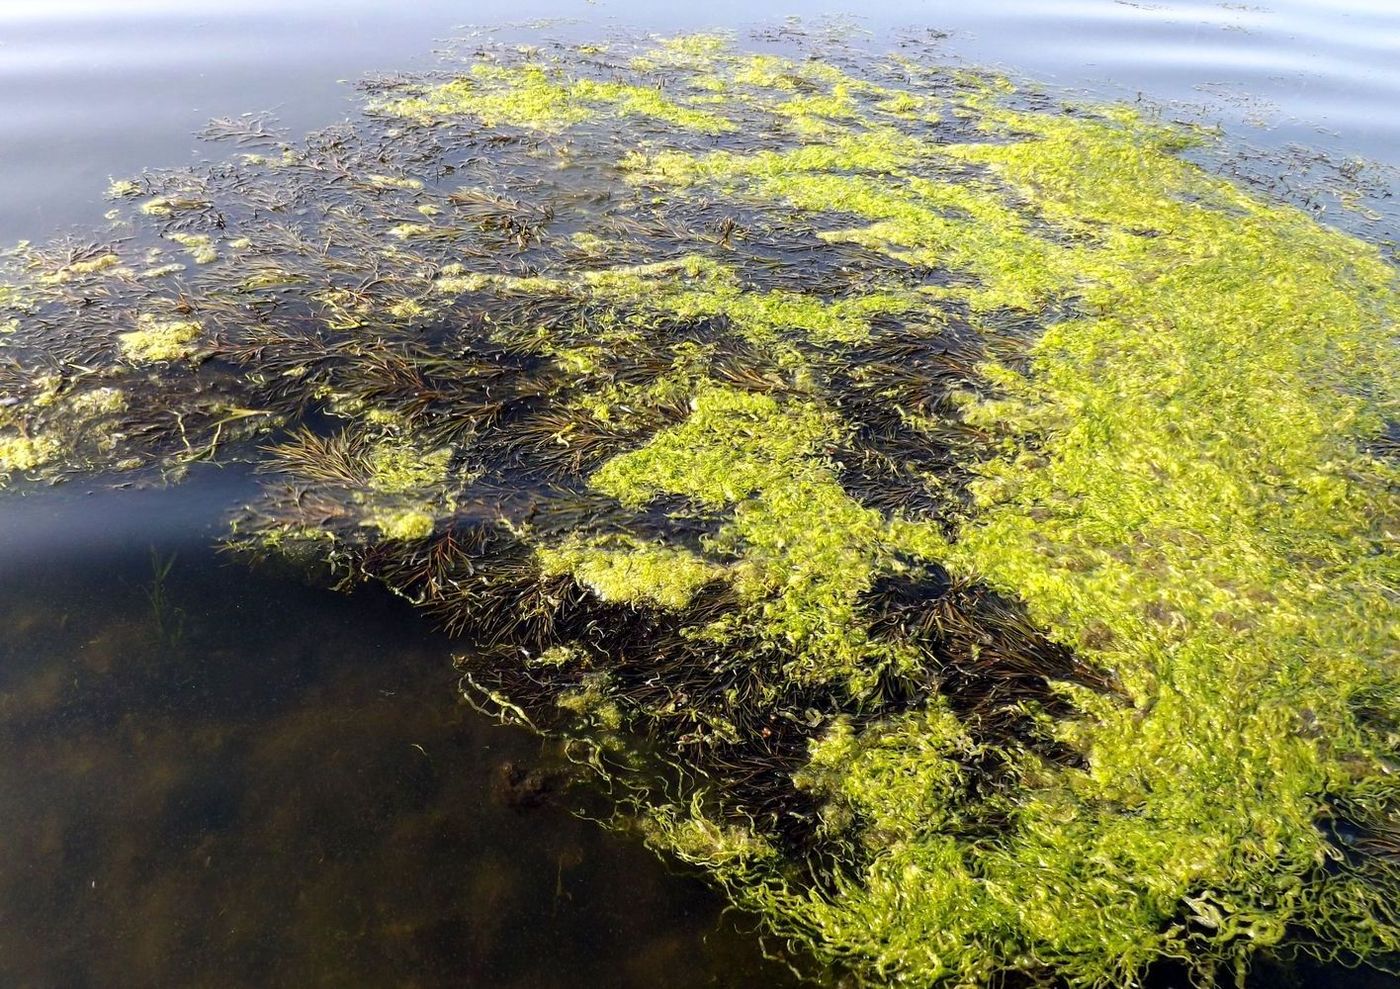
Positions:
{"x": 158, "y": 340}
{"x": 981, "y": 510}
{"x": 625, "y": 569}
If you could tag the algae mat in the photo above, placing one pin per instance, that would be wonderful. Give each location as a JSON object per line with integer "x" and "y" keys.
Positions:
{"x": 948, "y": 517}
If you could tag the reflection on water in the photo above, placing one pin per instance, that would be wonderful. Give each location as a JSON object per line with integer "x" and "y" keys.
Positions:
{"x": 228, "y": 778}
{"x": 91, "y": 89}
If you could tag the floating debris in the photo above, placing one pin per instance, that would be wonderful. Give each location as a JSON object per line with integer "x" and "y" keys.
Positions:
{"x": 956, "y": 522}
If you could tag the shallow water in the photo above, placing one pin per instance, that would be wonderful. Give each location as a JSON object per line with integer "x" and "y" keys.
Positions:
{"x": 247, "y": 781}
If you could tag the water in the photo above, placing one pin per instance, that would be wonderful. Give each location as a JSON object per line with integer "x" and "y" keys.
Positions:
{"x": 223, "y": 776}
{"x": 241, "y": 780}
{"x": 89, "y": 89}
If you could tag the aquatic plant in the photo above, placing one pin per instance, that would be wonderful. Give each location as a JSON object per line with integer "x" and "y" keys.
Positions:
{"x": 625, "y": 569}
{"x": 167, "y": 618}
{"x": 158, "y": 340}
{"x": 959, "y": 524}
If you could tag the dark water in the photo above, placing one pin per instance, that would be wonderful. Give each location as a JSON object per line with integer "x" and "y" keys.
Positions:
{"x": 211, "y": 775}
{"x": 224, "y": 777}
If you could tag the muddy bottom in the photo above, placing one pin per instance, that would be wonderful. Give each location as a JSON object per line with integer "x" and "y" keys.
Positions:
{"x": 213, "y": 776}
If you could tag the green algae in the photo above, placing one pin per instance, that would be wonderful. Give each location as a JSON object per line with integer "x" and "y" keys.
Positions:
{"x": 976, "y": 503}
{"x": 61, "y": 416}
{"x": 806, "y": 551}
{"x": 162, "y": 271}
{"x": 1109, "y": 180}
{"x": 159, "y": 339}
{"x": 415, "y": 231}
{"x": 407, "y": 309}
{"x": 530, "y": 97}
{"x": 1204, "y": 507}
{"x": 22, "y": 453}
{"x": 166, "y": 206}
{"x": 98, "y": 401}
{"x": 123, "y": 189}
{"x": 692, "y": 835}
{"x": 47, "y": 388}
{"x": 1200, "y": 500}
{"x": 395, "y": 182}
{"x": 965, "y": 225}
{"x": 558, "y": 656}
{"x": 593, "y": 703}
{"x": 407, "y": 525}
{"x": 370, "y": 479}
{"x": 624, "y": 569}
{"x": 695, "y": 287}
{"x": 536, "y": 97}
{"x": 200, "y": 247}
{"x": 395, "y": 467}
{"x": 644, "y": 101}
{"x": 892, "y": 780}
{"x": 106, "y": 262}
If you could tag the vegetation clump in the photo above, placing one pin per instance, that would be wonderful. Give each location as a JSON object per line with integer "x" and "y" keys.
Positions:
{"x": 158, "y": 339}
{"x": 22, "y": 453}
{"x": 78, "y": 268}
{"x": 624, "y": 569}
{"x": 539, "y": 96}
{"x": 199, "y": 246}
{"x": 960, "y": 525}
{"x": 698, "y": 287}
{"x": 806, "y": 551}
{"x": 395, "y": 467}
{"x": 407, "y": 525}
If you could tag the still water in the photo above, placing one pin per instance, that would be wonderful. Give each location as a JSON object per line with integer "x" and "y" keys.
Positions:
{"x": 216, "y": 776}
{"x": 90, "y": 89}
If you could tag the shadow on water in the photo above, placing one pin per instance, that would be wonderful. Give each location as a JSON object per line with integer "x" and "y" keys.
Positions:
{"x": 226, "y": 777}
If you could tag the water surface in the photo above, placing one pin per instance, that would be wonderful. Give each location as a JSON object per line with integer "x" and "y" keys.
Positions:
{"x": 216, "y": 776}
{"x": 90, "y": 90}
{"x": 224, "y": 777}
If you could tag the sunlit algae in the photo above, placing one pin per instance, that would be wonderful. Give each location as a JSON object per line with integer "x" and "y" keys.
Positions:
{"x": 978, "y": 506}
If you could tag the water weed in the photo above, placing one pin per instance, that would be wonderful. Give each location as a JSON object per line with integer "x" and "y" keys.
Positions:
{"x": 979, "y": 509}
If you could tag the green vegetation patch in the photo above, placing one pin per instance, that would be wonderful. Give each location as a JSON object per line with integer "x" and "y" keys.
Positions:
{"x": 159, "y": 339}
{"x": 406, "y": 525}
{"x": 200, "y": 247}
{"x": 544, "y": 98}
{"x": 624, "y": 569}
{"x": 696, "y": 287}
{"x": 806, "y": 551}
{"x": 958, "y": 524}
{"x": 396, "y": 467}
{"x": 22, "y": 453}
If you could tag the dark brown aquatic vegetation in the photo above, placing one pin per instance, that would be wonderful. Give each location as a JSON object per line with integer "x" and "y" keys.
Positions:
{"x": 933, "y": 512}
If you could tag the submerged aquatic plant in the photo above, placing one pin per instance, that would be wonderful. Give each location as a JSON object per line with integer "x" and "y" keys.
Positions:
{"x": 167, "y": 619}
{"x": 980, "y": 509}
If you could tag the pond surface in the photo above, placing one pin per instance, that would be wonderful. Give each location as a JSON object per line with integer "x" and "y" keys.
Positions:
{"x": 211, "y": 775}
{"x": 92, "y": 89}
